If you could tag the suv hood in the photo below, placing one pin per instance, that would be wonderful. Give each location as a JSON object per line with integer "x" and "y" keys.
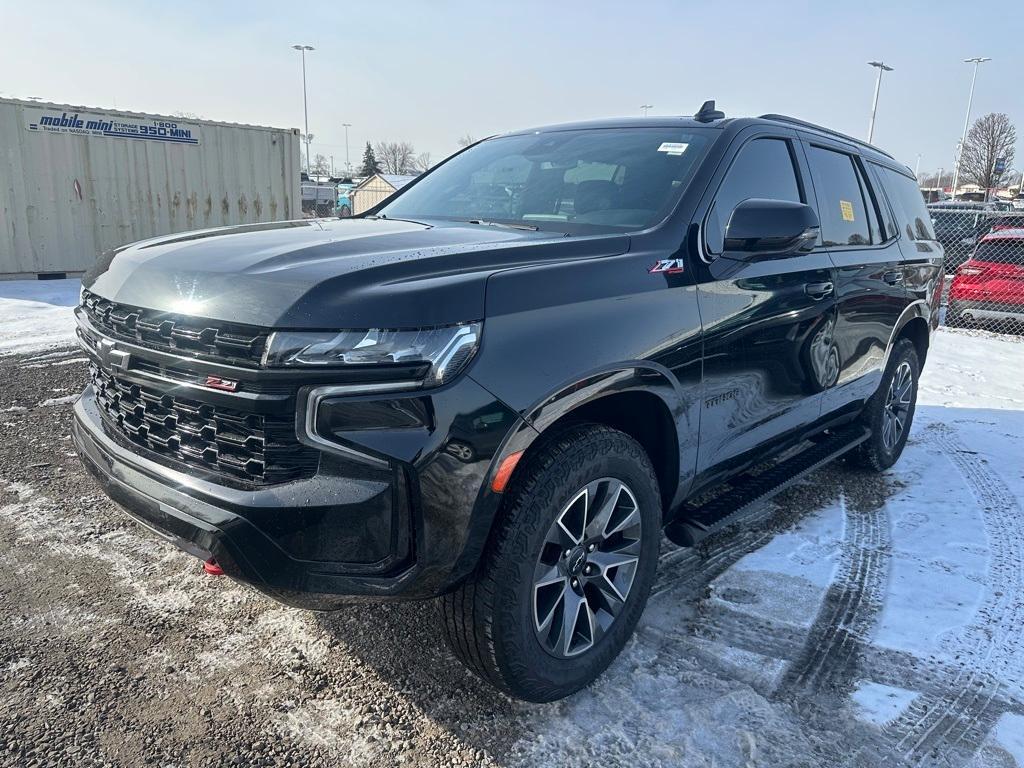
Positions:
{"x": 354, "y": 273}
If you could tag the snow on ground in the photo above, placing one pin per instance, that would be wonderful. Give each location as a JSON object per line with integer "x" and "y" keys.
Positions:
{"x": 36, "y": 315}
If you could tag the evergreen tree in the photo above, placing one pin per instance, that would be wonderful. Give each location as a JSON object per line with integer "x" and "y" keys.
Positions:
{"x": 370, "y": 164}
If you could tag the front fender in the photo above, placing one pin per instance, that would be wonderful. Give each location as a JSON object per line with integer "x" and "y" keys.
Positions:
{"x": 635, "y": 376}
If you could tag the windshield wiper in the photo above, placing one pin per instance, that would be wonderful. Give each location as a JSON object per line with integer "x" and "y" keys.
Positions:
{"x": 528, "y": 227}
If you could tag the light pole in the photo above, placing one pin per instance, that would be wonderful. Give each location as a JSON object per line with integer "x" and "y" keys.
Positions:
{"x": 348, "y": 163}
{"x": 976, "y": 61}
{"x": 645, "y": 107}
{"x": 305, "y": 107}
{"x": 882, "y": 67}
{"x": 917, "y": 167}
{"x": 938, "y": 182}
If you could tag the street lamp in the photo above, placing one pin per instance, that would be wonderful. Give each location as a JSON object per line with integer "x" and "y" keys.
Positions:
{"x": 976, "y": 61}
{"x": 645, "y": 107}
{"x": 878, "y": 86}
{"x": 348, "y": 163}
{"x": 305, "y": 108}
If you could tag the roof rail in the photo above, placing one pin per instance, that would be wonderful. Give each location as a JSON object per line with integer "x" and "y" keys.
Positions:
{"x": 813, "y": 126}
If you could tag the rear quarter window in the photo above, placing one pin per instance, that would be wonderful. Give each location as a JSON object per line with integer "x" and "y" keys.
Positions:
{"x": 907, "y": 203}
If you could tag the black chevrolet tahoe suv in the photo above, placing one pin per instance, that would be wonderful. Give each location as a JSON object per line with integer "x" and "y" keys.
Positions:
{"x": 502, "y": 384}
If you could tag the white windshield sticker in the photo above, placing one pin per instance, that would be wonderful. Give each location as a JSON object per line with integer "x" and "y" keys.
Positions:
{"x": 673, "y": 147}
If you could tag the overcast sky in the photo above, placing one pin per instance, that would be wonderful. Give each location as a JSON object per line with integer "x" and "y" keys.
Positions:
{"x": 429, "y": 73}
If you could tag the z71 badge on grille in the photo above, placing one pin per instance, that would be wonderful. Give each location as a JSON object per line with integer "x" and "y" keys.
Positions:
{"x": 216, "y": 382}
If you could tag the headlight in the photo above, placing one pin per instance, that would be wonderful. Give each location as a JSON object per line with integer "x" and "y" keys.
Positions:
{"x": 442, "y": 352}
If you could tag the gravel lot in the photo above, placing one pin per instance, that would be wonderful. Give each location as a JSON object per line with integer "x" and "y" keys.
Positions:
{"x": 765, "y": 648}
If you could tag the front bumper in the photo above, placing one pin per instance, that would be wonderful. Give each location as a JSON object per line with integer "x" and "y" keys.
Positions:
{"x": 409, "y": 528}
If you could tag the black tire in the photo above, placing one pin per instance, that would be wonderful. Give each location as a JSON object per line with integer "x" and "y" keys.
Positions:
{"x": 954, "y": 317}
{"x": 489, "y": 620}
{"x": 883, "y": 448}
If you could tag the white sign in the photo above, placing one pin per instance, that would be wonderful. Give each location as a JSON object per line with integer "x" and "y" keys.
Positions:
{"x": 109, "y": 126}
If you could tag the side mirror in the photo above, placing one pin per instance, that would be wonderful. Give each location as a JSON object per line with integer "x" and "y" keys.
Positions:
{"x": 769, "y": 229}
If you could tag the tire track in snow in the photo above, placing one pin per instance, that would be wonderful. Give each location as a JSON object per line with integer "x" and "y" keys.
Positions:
{"x": 948, "y": 729}
{"x": 852, "y": 604}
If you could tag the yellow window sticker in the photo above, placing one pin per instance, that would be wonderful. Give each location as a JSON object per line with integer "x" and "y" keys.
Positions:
{"x": 847, "y": 208}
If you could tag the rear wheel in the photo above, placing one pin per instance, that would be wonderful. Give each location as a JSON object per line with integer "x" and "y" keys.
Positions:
{"x": 567, "y": 573}
{"x": 890, "y": 412}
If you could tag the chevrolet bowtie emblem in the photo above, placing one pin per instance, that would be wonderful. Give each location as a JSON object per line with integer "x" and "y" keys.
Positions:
{"x": 112, "y": 358}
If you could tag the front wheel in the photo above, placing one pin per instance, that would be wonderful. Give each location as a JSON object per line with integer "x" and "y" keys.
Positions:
{"x": 890, "y": 411}
{"x": 568, "y": 571}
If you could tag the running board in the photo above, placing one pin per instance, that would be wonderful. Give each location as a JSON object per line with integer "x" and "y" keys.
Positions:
{"x": 696, "y": 522}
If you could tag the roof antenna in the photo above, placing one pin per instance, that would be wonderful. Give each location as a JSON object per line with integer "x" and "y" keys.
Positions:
{"x": 707, "y": 112}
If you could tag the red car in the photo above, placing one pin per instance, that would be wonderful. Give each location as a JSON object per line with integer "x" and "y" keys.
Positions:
{"x": 990, "y": 285}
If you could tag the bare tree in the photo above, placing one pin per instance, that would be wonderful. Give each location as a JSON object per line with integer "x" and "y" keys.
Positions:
{"x": 991, "y": 138}
{"x": 321, "y": 166}
{"x": 397, "y": 157}
{"x": 466, "y": 140}
{"x": 422, "y": 163}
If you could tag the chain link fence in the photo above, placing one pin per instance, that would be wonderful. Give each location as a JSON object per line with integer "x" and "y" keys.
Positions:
{"x": 984, "y": 245}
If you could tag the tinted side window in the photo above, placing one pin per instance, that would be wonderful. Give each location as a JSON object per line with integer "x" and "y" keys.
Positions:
{"x": 763, "y": 168}
{"x": 841, "y": 202}
{"x": 908, "y": 204}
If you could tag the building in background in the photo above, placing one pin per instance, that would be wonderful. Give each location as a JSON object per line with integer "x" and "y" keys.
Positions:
{"x": 374, "y": 189}
{"x": 79, "y": 181}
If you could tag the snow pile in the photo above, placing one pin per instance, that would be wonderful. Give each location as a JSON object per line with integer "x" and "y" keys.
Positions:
{"x": 37, "y": 314}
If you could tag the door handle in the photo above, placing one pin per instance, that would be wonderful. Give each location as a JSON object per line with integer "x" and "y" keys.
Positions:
{"x": 818, "y": 290}
{"x": 893, "y": 278}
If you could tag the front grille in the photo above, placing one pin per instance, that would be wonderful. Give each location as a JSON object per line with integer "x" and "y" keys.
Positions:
{"x": 251, "y": 448}
{"x": 180, "y": 334}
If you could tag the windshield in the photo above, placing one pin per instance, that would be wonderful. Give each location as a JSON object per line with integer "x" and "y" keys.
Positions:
{"x": 612, "y": 179}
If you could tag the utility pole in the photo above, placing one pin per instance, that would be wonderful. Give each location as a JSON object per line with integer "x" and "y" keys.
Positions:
{"x": 348, "y": 162}
{"x": 878, "y": 87}
{"x": 917, "y": 167}
{"x": 976, "y": 61}
{"x": 305, "y": 103}
{"x": 645, "y": 107}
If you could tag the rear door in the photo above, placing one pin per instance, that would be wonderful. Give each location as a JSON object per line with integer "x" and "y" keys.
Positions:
{"x": 870, "y": 281}
{"x": 763, "y": 321}
{"x": 922, "y": 253}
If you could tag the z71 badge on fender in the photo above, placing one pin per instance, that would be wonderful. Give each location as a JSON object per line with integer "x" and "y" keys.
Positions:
{"x": 667, "y": 267}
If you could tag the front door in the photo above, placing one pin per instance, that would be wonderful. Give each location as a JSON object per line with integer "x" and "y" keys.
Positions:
{"x": 871, "y": 294}
{"x": 768, "y": 324}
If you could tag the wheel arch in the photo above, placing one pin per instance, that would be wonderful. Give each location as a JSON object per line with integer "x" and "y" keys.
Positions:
{"x": 912, "y": 325}
{"x": 642, "y": 400}
{"x": 613, "y": 396}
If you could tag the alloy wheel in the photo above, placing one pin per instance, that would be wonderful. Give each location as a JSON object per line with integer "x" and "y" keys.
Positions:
{"x": 897, "y": 405}
{"x": 586, "y": 567}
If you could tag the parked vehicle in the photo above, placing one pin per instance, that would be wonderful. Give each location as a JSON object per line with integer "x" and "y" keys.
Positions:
{"x": 934, "y": 195}
{"x": 507, "y": 410}
{"x": 319, "y": 199}
{"x": 990, "y": 285}
{"x": 344, "y": 206}
{"x": 960, "y": 226}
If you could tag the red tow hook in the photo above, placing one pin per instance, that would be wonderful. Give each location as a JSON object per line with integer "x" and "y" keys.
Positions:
{"x": 211, "y": 567}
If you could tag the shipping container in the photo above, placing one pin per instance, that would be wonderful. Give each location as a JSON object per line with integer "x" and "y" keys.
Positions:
{"x": 77, "y": 181}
